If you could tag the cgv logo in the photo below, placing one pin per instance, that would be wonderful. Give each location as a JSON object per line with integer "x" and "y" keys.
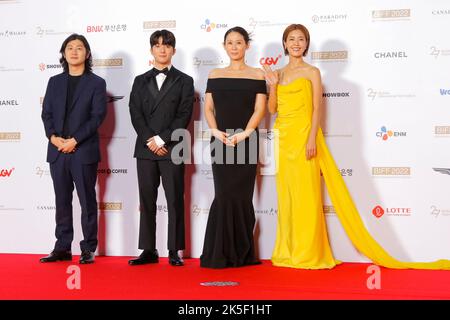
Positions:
{"x": 94, "y": 29}
{"x": 269, "y": 60}
{"x": 6, "y": 173}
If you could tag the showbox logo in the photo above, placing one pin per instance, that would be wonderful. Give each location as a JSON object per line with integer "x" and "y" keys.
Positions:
{"x": 44, "y": 66}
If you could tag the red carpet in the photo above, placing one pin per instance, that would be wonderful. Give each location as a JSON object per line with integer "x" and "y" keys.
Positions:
{"x": 23, "y": 277}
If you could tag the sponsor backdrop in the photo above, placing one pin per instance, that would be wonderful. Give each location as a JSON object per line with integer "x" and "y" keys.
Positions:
{"x": 386, "y": 95}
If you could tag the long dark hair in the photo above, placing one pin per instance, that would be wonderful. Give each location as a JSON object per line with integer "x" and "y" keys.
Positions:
{"x": 87, "y": 62}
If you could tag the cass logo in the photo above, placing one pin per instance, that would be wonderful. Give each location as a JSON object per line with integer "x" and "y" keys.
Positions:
{"x": 271, "y": 61}
{"x": 6, "y": 172}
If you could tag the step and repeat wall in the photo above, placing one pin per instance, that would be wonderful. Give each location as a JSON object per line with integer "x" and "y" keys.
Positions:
{"x": 385, "y": 69}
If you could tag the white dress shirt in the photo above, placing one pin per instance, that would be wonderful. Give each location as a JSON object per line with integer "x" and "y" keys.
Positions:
{"x": 159, "y": 81}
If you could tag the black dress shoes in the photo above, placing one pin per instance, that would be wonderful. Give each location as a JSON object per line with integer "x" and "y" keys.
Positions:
{"x": 87, "y": 257}
{"x": 147, "y": 256}
{"x": 174, "y": 259}
{"x": 57, "y": 256}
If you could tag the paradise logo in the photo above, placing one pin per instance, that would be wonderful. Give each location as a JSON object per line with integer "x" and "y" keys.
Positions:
{"x": 208, "y": 26}
{"x": 386, "y": 134}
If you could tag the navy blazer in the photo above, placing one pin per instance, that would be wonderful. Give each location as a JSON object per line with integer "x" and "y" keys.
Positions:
{"x": 160, "y": 112}
{"x": 87, "y": 112}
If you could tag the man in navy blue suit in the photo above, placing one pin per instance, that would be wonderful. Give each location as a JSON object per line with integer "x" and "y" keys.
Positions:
{"x": 73, "y": 109}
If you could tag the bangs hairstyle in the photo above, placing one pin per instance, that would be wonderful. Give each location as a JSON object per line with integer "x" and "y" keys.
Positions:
{"x": 239, "y": 30}
{"x": 168, "y": 38}
{"x": 291, "y": 28}
{"x": 87, "y": 62}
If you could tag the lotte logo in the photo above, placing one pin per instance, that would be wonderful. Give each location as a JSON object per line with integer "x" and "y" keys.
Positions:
{"x": 269, "y": 60}
{"x": 378, "y": 211}
{"x": 6, "y": 173}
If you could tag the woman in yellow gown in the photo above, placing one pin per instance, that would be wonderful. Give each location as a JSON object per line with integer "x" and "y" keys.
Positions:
{"x": 302, "y": 240}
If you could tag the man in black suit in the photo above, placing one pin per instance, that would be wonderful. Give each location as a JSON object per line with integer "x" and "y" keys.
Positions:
{"x": 74, "y": 107}
{"x": 161, "y": 102}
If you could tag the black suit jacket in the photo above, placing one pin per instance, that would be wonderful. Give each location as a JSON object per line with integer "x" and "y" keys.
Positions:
{"x": 86, "y": 113}
{"x": 160, "y": 112}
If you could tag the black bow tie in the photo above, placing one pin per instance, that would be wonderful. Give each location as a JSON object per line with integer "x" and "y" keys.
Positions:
{"x": 156, "y": 71}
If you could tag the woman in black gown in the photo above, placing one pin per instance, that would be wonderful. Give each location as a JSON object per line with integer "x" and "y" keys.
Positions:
{"x": 234, "y": 105}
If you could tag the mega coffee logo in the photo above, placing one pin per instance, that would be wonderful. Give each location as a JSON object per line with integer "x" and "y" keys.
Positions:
{"x": 44, "y": 66}
{"x": 379, "y": 211}
{"x": 8, "y": 103}
{"x": 209, "y": 26}
{"x": 9, "y": 136}
{"x": 6, "y": 172}
{"x": 106, "y": 28}
{"x": 329, "y": 55}
{"x": 391, "y": 171}
{"x": 442, "y": 130}
{"x": 391, "y": 15}
{"x": 110, "y": 206}
{"x": 385, "y": 134}
{"x": 163, "y": 24}
{"x": 390, "y": 55}
{"x": 107, "y": 63}
{"x": 112, "y": 171}
{"x": 328, "y": 18}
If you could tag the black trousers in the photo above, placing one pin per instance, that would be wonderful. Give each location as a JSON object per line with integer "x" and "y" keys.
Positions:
{"x": 150, "y": 172}
{"x": 66, "y": 172}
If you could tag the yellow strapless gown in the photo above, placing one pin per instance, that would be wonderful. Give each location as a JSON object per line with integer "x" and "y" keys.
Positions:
{"x": 302, "y": 240}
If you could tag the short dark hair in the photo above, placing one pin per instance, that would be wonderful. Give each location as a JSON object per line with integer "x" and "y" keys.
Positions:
{"x": 168, "y": 38}
{"x": 239, "y": 30}
{"x": 87, "y": 62}
{"x": 291, "y": 28}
